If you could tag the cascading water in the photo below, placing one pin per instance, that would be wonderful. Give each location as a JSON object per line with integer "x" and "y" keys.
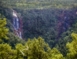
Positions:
{"x": 17, "y": 25}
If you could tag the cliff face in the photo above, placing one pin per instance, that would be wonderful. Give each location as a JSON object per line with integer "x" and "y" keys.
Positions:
{"x": 17, "y": 24}
{"x": 14, "y": 21}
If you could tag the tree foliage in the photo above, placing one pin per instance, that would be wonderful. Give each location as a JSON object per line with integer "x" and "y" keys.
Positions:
{"x": 3, "y": 29}
{"x": 72, "y": 47}
{"x": 6, "y": 52}
{"x": 38, "y": 49}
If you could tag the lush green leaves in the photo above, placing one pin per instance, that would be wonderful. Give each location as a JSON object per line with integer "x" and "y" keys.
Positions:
{"x": 6, "y": 52}
{"x": 72, "y": 47}
{"x": 3, "y": 29}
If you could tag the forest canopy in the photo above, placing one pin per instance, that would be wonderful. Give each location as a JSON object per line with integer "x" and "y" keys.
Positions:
{"x": 48, "y": 29}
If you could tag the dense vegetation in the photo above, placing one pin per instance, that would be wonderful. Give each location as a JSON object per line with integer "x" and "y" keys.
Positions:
{"x": 49, "y": 29}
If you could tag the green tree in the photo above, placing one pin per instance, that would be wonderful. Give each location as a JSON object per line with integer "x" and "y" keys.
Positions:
{"x": 55, "y": 54}
{"x": 19, "y": 54}
{"x": 37, "y": 49}
{"x": 3, "y": 29}
{"x": 34, "y": 49}
{"x": 6, "y": 52}
{"x": 72, "y": 47}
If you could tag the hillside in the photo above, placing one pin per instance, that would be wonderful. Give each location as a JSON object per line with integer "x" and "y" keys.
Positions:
{"x": 38, "y": 29}
{"x": 40, "y": 4}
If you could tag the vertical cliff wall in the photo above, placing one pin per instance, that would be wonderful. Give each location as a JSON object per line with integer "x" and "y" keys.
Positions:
{"x": 17, "y": 24}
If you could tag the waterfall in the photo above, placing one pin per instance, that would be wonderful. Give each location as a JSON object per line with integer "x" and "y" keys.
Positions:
{"x": 17, "y": 24}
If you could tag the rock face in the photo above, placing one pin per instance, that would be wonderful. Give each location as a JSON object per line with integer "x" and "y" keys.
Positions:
{"x": 17, "y": 24}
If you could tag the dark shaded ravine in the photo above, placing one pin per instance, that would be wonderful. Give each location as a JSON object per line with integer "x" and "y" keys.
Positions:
{"x": 40, "y": 22}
